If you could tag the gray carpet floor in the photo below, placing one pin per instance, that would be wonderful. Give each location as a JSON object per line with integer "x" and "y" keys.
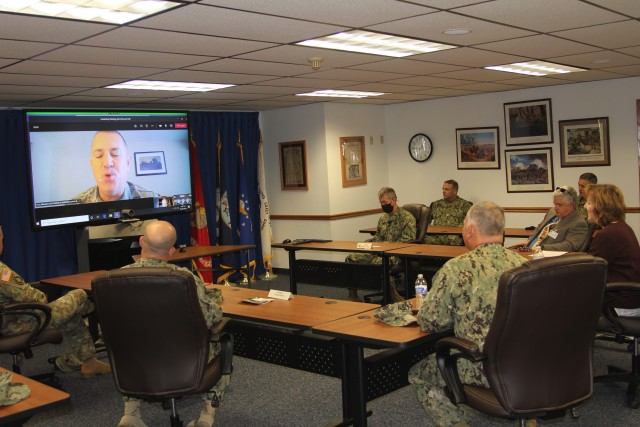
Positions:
{"x": 267, "y": 395}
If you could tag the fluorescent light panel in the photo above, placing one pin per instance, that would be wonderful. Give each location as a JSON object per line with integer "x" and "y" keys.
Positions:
{"x": 163, "y": 85}
{"x": 341, "y": 93}
{"x": 109, "y": 11}
{"x": 536, "y": 68}
{"x": 375, "y": 44}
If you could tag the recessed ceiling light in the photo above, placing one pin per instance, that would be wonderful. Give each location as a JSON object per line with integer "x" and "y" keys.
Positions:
{"x": 341, "y": 93}
{"x": 109, "y": 11}
{"x": 162, "y": 85}
{"x": 456, "y": 31}
{"x": 375, "y": 43}
{"x": 536, "y": 68}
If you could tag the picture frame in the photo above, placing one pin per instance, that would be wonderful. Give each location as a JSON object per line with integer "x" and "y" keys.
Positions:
{"x": 529, "y": 170}
{"x": 293, "y": 165}
{"x": 528, "y": 122}
{"x": 353, "y": 161}
{"x": 478, "y": 148}
{"x": 584, "y": 142}
{"x": 150, "y": 163}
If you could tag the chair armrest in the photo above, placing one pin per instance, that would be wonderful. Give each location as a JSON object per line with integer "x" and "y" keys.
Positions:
{"x": 39, "y": 311}
{"x": 218, "y": 333}
{"x": 448, "y": 363}
{"x": 613, "y": 292}
{"x": 217, "y": 328}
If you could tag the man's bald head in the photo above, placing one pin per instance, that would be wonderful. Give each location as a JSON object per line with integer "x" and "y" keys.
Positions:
{"x": 158, "y": 240}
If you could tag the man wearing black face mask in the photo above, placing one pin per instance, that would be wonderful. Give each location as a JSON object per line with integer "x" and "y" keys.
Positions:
{"x": 395, "y": 225}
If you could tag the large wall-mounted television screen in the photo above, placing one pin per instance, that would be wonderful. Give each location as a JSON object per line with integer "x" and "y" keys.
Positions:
{"x": 100, "y": 167}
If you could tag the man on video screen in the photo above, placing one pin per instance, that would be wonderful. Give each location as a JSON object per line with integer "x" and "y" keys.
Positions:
{"x": 110, "y": 162}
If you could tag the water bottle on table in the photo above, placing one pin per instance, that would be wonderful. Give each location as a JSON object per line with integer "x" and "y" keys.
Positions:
{"x": 421, "y": 291}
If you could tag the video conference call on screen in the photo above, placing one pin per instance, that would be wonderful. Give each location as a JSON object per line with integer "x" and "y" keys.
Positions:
{"x": 100, "y": 167}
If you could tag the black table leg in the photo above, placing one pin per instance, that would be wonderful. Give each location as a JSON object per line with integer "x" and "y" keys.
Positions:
{"x": 386, "y": 281}
{"x": 293, "y": 285}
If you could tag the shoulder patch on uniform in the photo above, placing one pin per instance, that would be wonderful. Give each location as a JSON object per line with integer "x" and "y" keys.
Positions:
{"x": 6, "y": 275}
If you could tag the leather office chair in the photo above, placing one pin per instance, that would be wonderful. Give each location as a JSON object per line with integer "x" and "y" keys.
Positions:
{"x": 156, "y": 335}
{"x": 538, "y": 352}
{"x": 591, "y": 228}
{"x": 623, "y": 330}
{"x": 21, "y": 345}
{"x": 422, "y": 213}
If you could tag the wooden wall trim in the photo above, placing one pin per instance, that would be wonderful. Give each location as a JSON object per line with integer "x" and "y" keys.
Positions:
{"x": 343, "y": 215}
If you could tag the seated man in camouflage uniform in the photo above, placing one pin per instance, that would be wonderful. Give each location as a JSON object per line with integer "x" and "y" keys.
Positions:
{"x": 157, "y": 246}
{"x": 394, "y": 225}
{"x": 110, "y": 161}
{"x": 448, "y": 211}
{"x": 463, "y": 298}
{"x": 66, "y": 316}
{"x": 585, "y": 179}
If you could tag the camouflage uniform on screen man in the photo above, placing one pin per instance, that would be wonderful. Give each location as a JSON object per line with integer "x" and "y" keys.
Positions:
{"x": 211, "y": 311}
{"x": 463, "y": 295}
{"x": 66, "y": 315}
{"x": 131, "y": 191}
{"x": 450, "y": 214}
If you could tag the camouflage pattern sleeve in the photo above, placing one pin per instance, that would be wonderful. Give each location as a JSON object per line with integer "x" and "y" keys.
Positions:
{"x": 399, "y": 227}
{"x": 409, "y": 230}
{"x": 449, "y": 214}
{"x": 13, "y": 288}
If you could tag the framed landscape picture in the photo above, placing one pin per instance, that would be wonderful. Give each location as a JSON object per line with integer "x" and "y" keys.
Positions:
{"x": 150, "y": 163}
{"x": 584, "y": 142}
{"x": 478, "y": 148}
{"x": 528, "y": 122}
{"x": 529, "y": 170}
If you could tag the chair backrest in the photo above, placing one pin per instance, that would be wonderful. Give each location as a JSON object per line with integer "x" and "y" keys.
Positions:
{"x": 591, "y": 228}
{"x": 422, "y": 214}
{"x": 540, "y": 342}
{"x": 154, "y": 330}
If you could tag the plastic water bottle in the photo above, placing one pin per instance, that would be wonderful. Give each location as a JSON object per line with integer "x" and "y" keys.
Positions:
{"x": 421, "y": 291}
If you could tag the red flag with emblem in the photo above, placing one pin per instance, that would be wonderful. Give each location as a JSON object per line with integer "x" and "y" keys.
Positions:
{"x": 199, "y": 228}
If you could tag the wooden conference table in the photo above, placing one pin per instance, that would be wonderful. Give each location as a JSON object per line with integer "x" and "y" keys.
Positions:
{"x": 440, "y": 229}
{"x": 42, "y": 397}
{"x": 378, "y": 248}
{"x": 327, "y": 337}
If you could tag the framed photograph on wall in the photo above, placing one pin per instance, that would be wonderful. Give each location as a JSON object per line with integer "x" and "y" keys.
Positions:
{"x": 353, "y": 161}
{"x": 293, "y": 165}
{"x": 528, "y": 122}
{"x": 150, "y": 163}
{"x": 478, "y": 148}
{"x": 529, "y": 170}
{"x": 584, "y": 142}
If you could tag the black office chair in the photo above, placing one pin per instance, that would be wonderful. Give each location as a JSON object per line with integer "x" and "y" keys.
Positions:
{"x": 623, "y": 330}
{"x": 21, "y": 345}
{"x": 156, "y": 335}
{"x": 591, "y": 228}
{"x": 538, "y": 353}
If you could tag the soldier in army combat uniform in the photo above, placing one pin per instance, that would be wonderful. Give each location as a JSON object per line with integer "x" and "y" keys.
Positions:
{"x": 66, "y": 316}
{"x": 157, "y": 245}
{"x": 463, "y": 298}
{"x": 110, "y": 161}
{"x": 449, "y": 211}
{"x": 394, "y": 225}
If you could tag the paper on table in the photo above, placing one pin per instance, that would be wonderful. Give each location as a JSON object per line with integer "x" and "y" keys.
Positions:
{"x": 257, "y": 300}
{"x": 553, "y": 253}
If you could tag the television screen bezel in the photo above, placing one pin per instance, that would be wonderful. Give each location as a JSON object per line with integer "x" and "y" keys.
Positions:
{"x": 118, "y": 218}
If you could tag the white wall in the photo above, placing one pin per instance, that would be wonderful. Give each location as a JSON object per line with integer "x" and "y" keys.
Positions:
{"x": 389, "y": 163}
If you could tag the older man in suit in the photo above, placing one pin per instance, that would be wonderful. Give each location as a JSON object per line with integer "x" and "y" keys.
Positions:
{"x": 563, "y": 228}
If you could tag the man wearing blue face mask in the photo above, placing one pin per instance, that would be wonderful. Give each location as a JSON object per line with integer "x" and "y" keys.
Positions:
{"x": 395, "y": 225}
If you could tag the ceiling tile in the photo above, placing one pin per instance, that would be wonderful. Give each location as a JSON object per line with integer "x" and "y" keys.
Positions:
{"x": 353, "y": 13}
{"x": 538, "y": 47}
{"x": 608, "y": 36}
{"x": 408, "y": 66}
{"x": 541, "y": 15}
{"x": 210, "y": 77}
{"x": 353, "y": 75}
{"x": 216, "y": 21}
{"x": 301, "y": 55}
{"x": 65, "y": 69}
{"x": 173, "y": 42}
{"x": 23, "y": 27}
{"x": 627, "y": 7}
{"x": 23, "y": 50}
{"x": 44, "y": 80}
{"x": 231, "y": 65}
{"x": 599, "y": 59}
{"x": 469, "y": 57}
{"x": 431, "y": 26}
